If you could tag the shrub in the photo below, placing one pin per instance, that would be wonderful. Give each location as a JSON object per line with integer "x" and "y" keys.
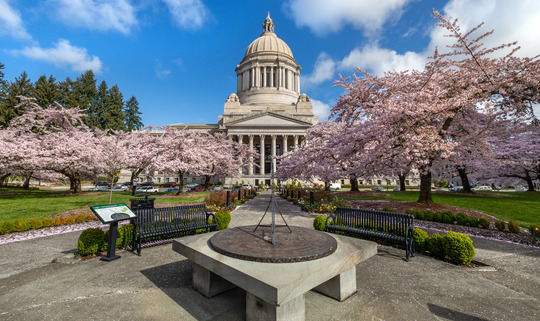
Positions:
{"x": 437, "y": 217}
{"x": 484, "y": 223}
{"x": 58, "y": 221}
{"x": 458, "y": 247}
{"x": 500, "y": 225}
{"x": 320, "y": 222}
{"x": 419, "y": 215}
{"x": 7, "y": 227}
{"x": 223, "y": 219}
{"x": 420, "y": 240}
{"x": 448, "y": 217}
{"x": 69, "y": 220}
{"x": 47, "y": 222}
{"x": 428, "y": 215}
{"x": 22, "y": 226}
{"x": 35, "y": 224}
{"x": 513, "y": 227}
{"x": 473, "y": 221}
{"x": 462, "y": 218}
{"x": 216, "y": 199}
{"x": 80, "y": 218}
{"x": 90, "y": 218}
{"x": 91, "y": 241}
{"x": 435, "y": 246}
{"x": 533, "y": 229}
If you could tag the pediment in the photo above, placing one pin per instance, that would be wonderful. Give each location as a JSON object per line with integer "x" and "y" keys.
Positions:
{"x": 268, "y": 119}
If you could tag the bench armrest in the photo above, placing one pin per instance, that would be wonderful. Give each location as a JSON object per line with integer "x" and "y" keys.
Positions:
{"x": 333, "y": 217}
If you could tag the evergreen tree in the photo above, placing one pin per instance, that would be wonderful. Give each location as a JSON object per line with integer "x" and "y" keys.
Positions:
{"x": 131, "y": 111}
{"x": 3, "y": 87}
{"x": 66, "y": 94}
{"x": 22, "y": 86}
{"x": 85, "y": 91}
{"x": 113, "y": 115}
{"x": 46, "y": 91}
{"x": 101, "y": 100}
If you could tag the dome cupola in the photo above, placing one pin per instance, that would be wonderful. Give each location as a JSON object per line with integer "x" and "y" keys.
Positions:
{"x": 268, "y": 73}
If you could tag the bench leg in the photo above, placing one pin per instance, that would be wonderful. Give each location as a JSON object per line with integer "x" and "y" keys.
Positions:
{"x": 340, "y": 287}
{"x": 208, "y": 283}
{"x": 260, "y": 310}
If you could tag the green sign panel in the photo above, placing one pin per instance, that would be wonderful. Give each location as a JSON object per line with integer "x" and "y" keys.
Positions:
{"x": 113, "y": 212}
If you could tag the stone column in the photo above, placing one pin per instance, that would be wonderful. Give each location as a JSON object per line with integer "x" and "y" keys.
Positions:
{"x": 284, "y": 145}
{"x": 295, "y": 141}
{"x": 264, "y": 77}
{"x": 238, "y": 83}
{"x": 261, "y": 160}
{"x": 240, "y": 140}
{"x": 251, "y": 156}
{"x": 274, "y": 137}
{"x": 271, "y": 76}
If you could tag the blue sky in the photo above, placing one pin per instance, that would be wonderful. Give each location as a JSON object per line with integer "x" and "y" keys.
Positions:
{"x": 177, "y": 57}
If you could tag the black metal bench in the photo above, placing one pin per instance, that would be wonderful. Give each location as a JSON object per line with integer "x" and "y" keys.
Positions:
{"x": 153, "y": 222}
{"x": 394, "y": 227}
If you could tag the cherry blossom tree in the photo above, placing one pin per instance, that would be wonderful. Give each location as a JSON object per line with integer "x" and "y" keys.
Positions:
{"x": 415, "y": 113}
{"x": 143, "y": 148}
{"x": 56, "y": 140}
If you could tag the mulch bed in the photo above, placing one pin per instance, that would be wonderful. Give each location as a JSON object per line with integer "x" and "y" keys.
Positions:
{"x": 491, "y": 233}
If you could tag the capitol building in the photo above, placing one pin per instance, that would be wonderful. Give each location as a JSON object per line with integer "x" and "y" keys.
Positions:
{"x": 267, "y": 112}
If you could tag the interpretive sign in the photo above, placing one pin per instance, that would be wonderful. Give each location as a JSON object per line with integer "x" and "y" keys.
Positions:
{"x": 113, "y": 212}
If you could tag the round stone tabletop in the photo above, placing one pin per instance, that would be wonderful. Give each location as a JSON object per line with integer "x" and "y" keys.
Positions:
{"x": 300, "y": 245}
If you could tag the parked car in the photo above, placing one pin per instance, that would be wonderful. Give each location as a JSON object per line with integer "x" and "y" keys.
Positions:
{"x": 102, "y": 183}
{"x": 335, "y": 186}
{"x": 121, "y": 188}
{"x": 196, "y": 188}
{"x": 126, "y": 183}
{"x": 147, "y": 184}
{"x": 171, "y": 190}
{"x": 456, "y": 188}
{"x": 520, "y": 189}
{"x": 218, "y": 188}
{"x": 482, "y": 188}
{"x": 396, "y": 188}
{"x": 247, "y": 186}
{"x": 147, "y": 189}
{"x": 377, "y": 188}
{"x": 168, "y": 184}
{"x": 236, "y": 188}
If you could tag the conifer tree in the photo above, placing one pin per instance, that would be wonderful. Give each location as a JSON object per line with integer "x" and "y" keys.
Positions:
{"x": 99, "y": 106}
{"x": 113, "y": 114}
{"x": 22, "y": 86}
{"x": 46, "y": 91}
{"x": 84, "y": 91}
{"x": 131, "y": 111}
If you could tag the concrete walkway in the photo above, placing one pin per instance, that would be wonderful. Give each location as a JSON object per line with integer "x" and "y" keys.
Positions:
{"x": 39, "y": 280}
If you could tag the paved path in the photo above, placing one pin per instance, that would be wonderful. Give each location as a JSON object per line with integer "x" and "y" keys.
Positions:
{"x": 157, "y": 285}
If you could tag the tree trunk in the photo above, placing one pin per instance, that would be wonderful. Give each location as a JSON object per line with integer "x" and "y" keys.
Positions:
{"x": 26, "y": 184}
{"x": 75, "y": 183}
{"x": 529, "y": 181}
{"x": 3, "y": 178}
{"x": 402, "y": 187}
{"x": 354, "y": 184}
{"x": 464, "y": 179}
{"x": 207, "y": 179}
{"x": 425, "y": 188}
{"x": 180, "y": 182}
{"x": 326, "y": 186}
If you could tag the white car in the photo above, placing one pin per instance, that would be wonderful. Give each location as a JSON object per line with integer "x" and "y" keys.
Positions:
{"x": 335, "y": 186}
{"x": 247, "y": 186}
{"x": 482, "y": 188}
{"x": 147, "y": 189}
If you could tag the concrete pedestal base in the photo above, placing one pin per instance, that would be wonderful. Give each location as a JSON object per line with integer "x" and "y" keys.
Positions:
{"x": 340, "y": 287}
{"x": 208, "y": 283}
{"x": 275, "y": 291}
{"x": 258, "y": 309}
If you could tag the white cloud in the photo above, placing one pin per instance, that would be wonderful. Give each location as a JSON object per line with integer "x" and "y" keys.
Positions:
{"x": 320, "y": 109}
{"x": 379, "y": 60}
{"x": 324, "y": 70}
{"x": 161, "y": 71}
{"x": 64, "y": 55}
{"x": 188, "y": 14}
{"x": 11, "y": 22}
{"x": 323, "y": 16}
{"x": 511, "y": 20}
{"x": 102, "y": 15}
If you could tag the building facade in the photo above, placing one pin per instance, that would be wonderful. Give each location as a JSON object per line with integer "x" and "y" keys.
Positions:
{"x": 268, "y": 111}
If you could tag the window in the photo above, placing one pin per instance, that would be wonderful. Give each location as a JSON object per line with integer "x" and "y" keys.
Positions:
{"x": 342, "y": 182}
{"x": 407, "y": 182}
{"x": 159, "y": 179}
{"x": 379, "y": 182}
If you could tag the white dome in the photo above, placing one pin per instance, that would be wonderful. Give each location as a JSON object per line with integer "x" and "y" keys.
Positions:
{"x": 268, "y": 41}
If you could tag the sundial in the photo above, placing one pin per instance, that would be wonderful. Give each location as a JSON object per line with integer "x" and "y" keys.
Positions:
{"x": 273, "y": 243}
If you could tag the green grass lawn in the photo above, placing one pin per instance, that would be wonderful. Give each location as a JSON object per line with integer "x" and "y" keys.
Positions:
{"x": 19, "y": 204}
{"x": 522, "y": 207}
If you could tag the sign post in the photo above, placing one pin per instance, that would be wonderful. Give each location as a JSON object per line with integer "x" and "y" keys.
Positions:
{"x": 112, "y": 214}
